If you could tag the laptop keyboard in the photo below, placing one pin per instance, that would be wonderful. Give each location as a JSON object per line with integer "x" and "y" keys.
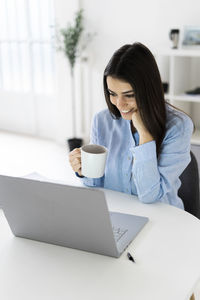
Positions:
{"x": 118, "y": 233}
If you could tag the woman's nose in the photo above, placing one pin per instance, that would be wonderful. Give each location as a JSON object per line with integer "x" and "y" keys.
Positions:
{"x": 120, "y": 102}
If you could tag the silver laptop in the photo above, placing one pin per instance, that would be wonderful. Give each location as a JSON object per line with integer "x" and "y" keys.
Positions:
{"x": 68, "y": 216}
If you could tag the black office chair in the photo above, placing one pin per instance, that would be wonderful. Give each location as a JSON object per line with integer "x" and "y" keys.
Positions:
{"x": 189, "y": 190}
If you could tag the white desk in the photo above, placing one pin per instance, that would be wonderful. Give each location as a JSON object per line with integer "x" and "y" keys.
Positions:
{"x": 167, "y": 254}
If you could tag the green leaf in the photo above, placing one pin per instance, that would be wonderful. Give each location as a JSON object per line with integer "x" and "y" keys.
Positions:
{"x": 71, "y": 36}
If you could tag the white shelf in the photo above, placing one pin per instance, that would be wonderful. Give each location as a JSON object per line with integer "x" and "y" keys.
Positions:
{"x": 185, "y": 97}
{"x": 181, "y": 70}
{"x": 178, "y": 52}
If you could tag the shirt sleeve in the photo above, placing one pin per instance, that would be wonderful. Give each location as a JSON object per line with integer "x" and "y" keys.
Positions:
{"x": 153, "y": 177}
{"x": 93, "y": 182}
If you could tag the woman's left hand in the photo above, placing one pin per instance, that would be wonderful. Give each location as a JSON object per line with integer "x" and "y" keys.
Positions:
{"x": 144, "y": 134}
{"x": 137, "y": 122}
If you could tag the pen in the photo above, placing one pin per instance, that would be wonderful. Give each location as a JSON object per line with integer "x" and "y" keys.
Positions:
{"x": 130, "y": 257}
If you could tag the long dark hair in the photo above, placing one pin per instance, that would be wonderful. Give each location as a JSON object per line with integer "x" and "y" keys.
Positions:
{"x": 136, "y": 65}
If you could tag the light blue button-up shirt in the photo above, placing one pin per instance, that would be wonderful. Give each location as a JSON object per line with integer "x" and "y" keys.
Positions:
{"x": 134, "y": 169}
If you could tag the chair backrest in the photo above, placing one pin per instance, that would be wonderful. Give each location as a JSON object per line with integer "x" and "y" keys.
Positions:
{"x": 189, "y": 190}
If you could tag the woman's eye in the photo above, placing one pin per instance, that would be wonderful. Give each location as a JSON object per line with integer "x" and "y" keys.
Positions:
{"x": 127, "y": 96}
{"x": 130, "y": 96}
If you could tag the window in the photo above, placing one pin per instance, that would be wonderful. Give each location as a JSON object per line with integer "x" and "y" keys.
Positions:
{"x": 27, "y": 52}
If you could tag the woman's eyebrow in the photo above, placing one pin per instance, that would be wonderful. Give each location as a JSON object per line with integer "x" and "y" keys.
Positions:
{"x": 122, "y": 92}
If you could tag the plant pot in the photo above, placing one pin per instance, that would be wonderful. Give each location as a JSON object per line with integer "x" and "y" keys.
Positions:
{"x": 74, "y": 143}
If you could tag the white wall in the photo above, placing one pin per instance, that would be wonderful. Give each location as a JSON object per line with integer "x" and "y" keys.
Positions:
{"x": 117, "y": 23}
{"x": 64, "y": 13}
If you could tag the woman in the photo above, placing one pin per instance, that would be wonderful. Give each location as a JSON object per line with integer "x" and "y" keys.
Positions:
{"x": 148, "y": 140}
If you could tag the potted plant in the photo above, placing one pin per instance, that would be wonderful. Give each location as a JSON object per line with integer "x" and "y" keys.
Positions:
{"x": 71, "y": 36}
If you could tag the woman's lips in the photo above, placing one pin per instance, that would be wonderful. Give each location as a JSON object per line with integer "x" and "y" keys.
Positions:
{"x": 126, "y": 112}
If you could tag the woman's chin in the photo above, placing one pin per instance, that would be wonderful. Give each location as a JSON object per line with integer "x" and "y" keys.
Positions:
{"x": 126, "y": 116}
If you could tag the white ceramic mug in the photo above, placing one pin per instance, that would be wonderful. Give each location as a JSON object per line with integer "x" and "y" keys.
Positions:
{"x": 93, "y": 160}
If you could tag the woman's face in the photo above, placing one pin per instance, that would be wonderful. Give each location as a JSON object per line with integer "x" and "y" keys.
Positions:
{"x": 122, "y": 96}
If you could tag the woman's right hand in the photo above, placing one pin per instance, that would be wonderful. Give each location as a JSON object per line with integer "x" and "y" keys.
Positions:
{"x": 75, "y": 160}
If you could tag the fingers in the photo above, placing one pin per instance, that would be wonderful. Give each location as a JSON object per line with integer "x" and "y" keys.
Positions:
{"x": 75, "y": 160}
{"x": 75, "y": 152}
{"x": 76, "y": 165}
{"x": 135, "y": 111}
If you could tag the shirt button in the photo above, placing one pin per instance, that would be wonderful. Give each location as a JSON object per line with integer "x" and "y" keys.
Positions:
{"x": 126, "y": 190}
{"x": 129, "y": 158}
{"x": 126, "y": 174}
